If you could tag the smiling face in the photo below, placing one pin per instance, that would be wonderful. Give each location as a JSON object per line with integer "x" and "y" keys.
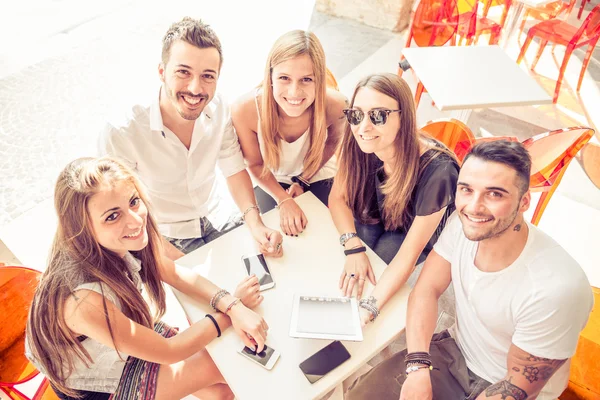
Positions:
{"x": 118, "y": 218}
{"x": 488, "y": 199}
{"x": 378, "y": 139}
{"x": 189, "y": 80}
{"x": 294, "y": 85}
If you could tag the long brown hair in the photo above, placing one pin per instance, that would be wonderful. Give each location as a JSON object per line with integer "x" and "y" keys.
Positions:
{"x": 288, "y": 46}
{"x": 357, "y": 170}
{"x": 76, "y": 257}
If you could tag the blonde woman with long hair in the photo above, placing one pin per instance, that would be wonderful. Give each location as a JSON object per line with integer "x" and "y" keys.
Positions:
{"x": 394, "y": 189}
{"x": 91, "y": 332}
{"x": 289, "y": 128}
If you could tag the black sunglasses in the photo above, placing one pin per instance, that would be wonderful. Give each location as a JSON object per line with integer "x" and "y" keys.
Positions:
{"x": 378, "y": 116}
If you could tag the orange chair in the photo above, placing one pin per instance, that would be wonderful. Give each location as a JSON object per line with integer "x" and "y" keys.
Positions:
{"x": 17, "y": 287}
{"x": 433, "y": 23}
{"x": 470, "y": 25}
{"x": 453, "y": 133}
{"x": 560, "y": 32}
{"x": 487, "y": 4}
{"x": 495, "y": 138}
{"x": 584, "y": 380}
{"x": 547, "y": 11}
{"x": 590, "y": 161}
{"x": 551, "y": 153}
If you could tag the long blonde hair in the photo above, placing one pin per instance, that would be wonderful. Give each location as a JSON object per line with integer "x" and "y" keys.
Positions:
{"x": 357, "y": 170}
{"x": 76, "y": 257}
{"x": 288, "y": 46}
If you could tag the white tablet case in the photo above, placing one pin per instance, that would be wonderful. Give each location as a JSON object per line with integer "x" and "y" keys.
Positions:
{"x": 325, "y": 317}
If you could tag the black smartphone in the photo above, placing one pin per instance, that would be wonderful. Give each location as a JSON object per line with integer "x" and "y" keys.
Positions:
{"x": 257, "y": 265}
{"x": 323, "y": 361}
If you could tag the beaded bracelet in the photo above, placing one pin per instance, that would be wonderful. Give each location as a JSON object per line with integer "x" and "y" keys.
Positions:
{"x": 218, "y": 296}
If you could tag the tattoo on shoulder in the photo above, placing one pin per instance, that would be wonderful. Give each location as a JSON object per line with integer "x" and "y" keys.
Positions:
{"x": 506, "y": 390}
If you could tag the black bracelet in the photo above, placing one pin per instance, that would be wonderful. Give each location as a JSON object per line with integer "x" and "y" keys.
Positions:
{"x": 214, "y": 321}
{"x": 355, "y": 250}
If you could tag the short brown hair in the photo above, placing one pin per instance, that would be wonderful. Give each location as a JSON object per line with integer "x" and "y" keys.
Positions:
{"x": 512, "y": 154}
{"x": 194, "y": 32}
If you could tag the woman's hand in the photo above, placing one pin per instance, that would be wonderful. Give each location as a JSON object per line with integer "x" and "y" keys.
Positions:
{"x": 270, "y": 241}
{"x": 356, "y": 270}
{"x": 295, "y": 190}
{"x": 249, "y": 326}
{"x": 291, "y": 217}
{"x": 365, "y": 316}
{"x": 248, "y": 291}
{"x": 417, "y": 386}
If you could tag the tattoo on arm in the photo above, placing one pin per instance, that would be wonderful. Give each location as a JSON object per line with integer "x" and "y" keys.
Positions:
{"x": 506, "y": 389}
{"x": 542, "y": 369}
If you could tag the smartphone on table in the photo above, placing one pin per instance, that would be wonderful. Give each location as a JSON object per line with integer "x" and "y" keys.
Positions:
{"x": 257, "y": 265}
{"x": 324, "y": 361}
{"x": 266, "y": 358}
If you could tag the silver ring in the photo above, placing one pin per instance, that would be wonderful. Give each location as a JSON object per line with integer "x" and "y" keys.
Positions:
{"x": 278, "y": 246}
{"x": 352, "y": 276}
{"x": 361, "y": 279}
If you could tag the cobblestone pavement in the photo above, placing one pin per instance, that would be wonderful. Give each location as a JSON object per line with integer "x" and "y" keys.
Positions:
{"x": 52, "y": 109}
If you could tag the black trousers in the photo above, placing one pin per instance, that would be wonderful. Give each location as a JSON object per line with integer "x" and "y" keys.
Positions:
{"x": 320, "y": 189}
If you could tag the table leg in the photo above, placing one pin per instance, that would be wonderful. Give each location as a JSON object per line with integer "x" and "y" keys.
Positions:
{"x": 461, "y": 115}
{"x": 514, "y": 17}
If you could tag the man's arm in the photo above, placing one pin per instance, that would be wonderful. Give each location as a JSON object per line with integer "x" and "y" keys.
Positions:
{"x": 525, "y": 377}
{"x": 421, "y": 320}
{"x": 422, "y": 312}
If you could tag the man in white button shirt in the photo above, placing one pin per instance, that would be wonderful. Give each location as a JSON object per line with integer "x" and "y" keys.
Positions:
{"x": 176, "y": 142}
{"x": 521, "y": 299}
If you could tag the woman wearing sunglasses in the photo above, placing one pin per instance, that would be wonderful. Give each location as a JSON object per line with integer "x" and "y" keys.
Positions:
{"x": 393, "y": 191}
{"x": 289, "y": 128}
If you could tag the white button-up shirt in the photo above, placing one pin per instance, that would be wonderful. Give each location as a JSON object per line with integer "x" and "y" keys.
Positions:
{"x": 180, "y": 182}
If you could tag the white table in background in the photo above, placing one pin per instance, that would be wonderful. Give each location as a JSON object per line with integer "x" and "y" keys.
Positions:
{"x": 461, "y": 78}
{"x": 515, "y": 15}
{"x": 312, "y": 263}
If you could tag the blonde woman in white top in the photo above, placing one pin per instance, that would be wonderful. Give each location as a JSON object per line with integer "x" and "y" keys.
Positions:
{"x": 289, "y": 128}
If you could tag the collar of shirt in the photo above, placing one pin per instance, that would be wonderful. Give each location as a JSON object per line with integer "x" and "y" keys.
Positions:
{"x": 181, "y": 182}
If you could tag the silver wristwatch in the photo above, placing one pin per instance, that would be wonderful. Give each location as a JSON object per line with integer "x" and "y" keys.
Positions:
{"x": 347, "y": 236}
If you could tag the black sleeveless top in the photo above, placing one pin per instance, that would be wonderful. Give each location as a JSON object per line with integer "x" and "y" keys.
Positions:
{"x": 435, "y": 189}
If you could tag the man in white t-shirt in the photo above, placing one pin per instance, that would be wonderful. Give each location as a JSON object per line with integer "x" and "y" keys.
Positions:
{"x": 521, "y": 300}
{"x": 175, "y": 143}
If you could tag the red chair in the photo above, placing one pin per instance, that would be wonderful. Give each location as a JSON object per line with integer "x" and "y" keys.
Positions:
{"x": 453, "y": 133}
{"x": 551, "y": 153}
{"x": 559, "y": 32}
{"x": 17, "y": 287}
{"x": 433, "y": 23}
{"x": 581, "y": 7}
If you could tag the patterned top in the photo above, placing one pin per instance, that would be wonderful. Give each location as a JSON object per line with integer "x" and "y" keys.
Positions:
{"x": 105, "y": 372}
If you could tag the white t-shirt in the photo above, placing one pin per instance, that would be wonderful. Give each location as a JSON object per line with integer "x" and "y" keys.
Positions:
{"x": 181, "y": 183}
{"x": 540, "y": 303}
